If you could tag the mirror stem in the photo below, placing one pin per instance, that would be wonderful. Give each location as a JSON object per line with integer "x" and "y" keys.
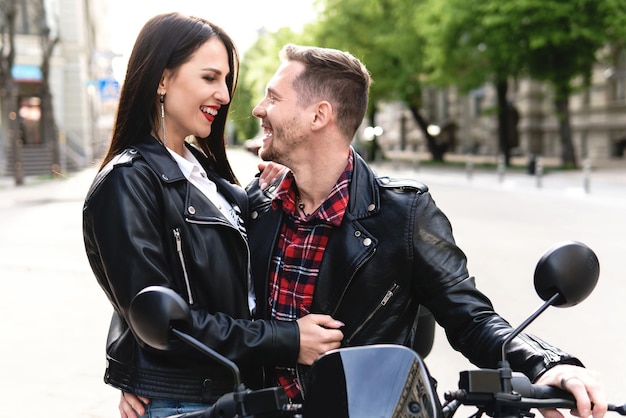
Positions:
{"x": 528, "y": 321}
{"x": 505, "y": 368}
{"x": 211, "y": 353}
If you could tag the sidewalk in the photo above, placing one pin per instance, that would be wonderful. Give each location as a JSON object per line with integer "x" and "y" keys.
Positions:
{"x": 54, "y": 315}
{"x": 46, "y": 184}
{"x": 605, "y": 179}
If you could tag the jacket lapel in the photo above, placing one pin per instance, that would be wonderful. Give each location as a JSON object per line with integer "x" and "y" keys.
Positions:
{"x": 349, "y": 247}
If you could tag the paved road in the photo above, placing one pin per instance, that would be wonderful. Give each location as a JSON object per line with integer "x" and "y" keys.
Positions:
{"x": 55, "y": 317}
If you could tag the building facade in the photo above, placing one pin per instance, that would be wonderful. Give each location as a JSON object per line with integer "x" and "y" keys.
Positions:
{"x": 81, "y": 85}
{"x": 598, "y": 118}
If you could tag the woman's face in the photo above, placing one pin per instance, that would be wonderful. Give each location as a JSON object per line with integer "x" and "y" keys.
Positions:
{"x": 195, "y": 92}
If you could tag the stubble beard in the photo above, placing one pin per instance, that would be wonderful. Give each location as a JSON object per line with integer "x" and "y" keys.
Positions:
{"x": 266, "y": 153}
{"x": 284, "y": 139}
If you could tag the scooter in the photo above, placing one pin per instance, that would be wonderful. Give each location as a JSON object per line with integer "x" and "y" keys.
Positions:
{"x": 387, "y": 380}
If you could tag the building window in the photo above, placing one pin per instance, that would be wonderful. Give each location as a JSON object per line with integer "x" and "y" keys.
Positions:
{"x": 477, "y": 97}
{"x": 616, "y": 76}
{"x": 28, "y": 17}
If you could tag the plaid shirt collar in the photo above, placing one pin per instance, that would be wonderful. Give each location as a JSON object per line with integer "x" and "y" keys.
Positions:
{"x": 334, "y": 207}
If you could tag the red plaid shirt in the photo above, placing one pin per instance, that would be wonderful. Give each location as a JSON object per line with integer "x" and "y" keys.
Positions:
{"x": 298, "y": 255}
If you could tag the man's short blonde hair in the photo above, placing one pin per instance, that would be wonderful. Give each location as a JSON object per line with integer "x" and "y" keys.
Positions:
{"x": 335, "y": 76}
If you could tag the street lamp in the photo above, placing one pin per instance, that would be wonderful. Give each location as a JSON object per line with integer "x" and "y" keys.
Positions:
{"x": 433, "y": 130}
{"x": 370, "y": 134}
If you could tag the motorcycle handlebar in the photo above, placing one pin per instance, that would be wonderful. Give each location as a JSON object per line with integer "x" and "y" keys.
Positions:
{"x": 552, "y": 397}
{"x": 551, "y": 392}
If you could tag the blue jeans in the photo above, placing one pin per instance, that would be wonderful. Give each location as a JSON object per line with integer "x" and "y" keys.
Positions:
{"x": 160, "y": 408}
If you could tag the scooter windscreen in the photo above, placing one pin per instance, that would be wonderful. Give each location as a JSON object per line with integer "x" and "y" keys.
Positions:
{"x": 370, "y": 381}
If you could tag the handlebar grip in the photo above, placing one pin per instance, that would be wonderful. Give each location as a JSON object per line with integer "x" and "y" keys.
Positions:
{"x": 550, "y": 392}
{"x": 543, "y": 395}
{"x": 522, "y": 385}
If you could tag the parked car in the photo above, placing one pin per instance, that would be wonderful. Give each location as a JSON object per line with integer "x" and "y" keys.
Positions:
{"x": 253, "y": 145}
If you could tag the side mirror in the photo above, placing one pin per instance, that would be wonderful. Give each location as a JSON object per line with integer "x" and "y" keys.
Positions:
{"x": 159, "y": 316}
{"x": 152, "y": 313}
{"x": 570, "y": 269}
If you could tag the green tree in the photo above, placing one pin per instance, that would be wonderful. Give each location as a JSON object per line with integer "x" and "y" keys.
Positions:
{"x": 385, "y": 35}
{"x": 550, "y": 40}
{"x": 563, "y": 41}
{"x": 473, "y": 43}
{"x": 258, "y": 64}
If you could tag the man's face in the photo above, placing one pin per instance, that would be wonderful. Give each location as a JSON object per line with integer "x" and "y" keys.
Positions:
{"x": 282, "y": 119}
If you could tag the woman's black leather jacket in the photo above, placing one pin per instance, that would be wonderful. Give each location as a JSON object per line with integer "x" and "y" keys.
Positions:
{"x": 144, "y": 224}
{"x": 393, "y": 252}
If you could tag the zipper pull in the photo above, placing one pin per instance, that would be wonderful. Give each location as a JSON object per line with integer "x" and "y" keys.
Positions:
{"x": 389, "y": 294}
{"x": 179, "y": 244}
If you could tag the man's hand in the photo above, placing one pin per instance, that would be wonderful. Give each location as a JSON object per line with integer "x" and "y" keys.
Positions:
{"x": 583, "y": 383}
{"x": 270, "y": 172}
{"x": 318, "y": 334}
{"x": 132, "y": 406}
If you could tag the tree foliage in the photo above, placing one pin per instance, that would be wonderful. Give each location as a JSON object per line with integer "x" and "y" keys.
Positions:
{"x": 258, "y": 64}
{"x": 408, "y": 45}
{"x": 386, "y": 36}
{"x": 554, "y": 41}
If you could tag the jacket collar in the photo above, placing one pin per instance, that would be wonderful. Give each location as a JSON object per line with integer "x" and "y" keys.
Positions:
{"x": 364, "y": 195}
{"x": 159, "y": 159}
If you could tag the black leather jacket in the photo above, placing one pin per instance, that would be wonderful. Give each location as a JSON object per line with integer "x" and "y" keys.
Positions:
{"x": 393, "y": 252}
{"x": 144, "y": 224}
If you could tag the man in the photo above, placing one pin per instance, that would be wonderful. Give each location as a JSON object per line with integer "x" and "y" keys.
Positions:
{"x": 331, "y": 237}
{"x": 334, "y": 238}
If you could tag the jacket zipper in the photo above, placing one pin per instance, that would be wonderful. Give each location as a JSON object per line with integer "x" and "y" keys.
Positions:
{"x": 248, "y": 279}
{"x": 179, "y": 250}
{"x": 388, "y": 295}
{"x": 384, "y": 301}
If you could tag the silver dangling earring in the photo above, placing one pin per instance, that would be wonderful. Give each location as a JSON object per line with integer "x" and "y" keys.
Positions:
{"x": 162, "y": 101}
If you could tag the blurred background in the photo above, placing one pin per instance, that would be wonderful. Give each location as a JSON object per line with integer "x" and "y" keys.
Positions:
{"x": 525, "y": 86}
{"x": 521, "y": 83}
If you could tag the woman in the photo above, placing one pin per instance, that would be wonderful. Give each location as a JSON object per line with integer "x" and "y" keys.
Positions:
{"x": 164, "y": 212}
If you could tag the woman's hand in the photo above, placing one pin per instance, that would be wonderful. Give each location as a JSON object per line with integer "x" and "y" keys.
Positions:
{"x": 270, "y": 172}
{"x": 132, "y": 406}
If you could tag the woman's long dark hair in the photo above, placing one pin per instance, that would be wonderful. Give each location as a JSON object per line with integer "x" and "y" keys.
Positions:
{"x": 166, "y": 42}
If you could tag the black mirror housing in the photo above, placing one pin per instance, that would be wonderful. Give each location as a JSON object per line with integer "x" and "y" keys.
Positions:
{"x": 152, "y": 313}
{"x": 570, "y": 269}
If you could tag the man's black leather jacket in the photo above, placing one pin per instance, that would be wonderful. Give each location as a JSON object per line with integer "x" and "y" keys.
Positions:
{"x": 393, "y": 252}
{"x": 144, "y": 224}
